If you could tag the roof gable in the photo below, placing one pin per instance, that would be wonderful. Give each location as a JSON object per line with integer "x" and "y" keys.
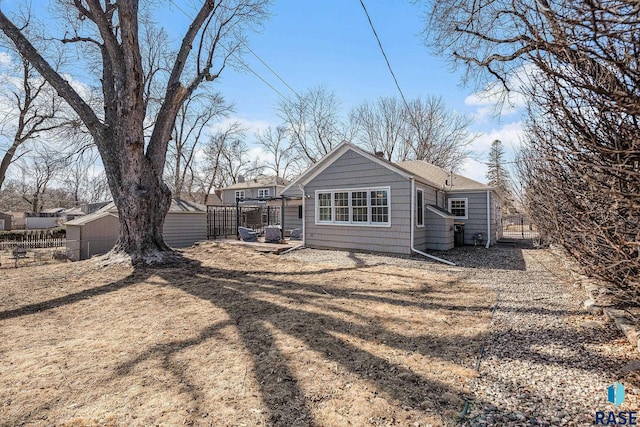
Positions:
{"x": 318, "y": 167}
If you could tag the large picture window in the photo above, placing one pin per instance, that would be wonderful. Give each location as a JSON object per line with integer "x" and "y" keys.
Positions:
{"x": 362, "y": 206}
{"x": 458, "y": 207}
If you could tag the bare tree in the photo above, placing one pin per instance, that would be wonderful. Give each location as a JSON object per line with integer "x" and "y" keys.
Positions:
{"x": 383, "y": 126}
{"x": 439, "y": 135}
{"x": 35, "y": 110}
{"x": 283, "y": 159}
{"x": 84, "y": 179}
{"x": 225, "y": 159}
{"x": 419, "y": 130}
{"x": 314, "y": 124}
{"x": 194, "y": 118}
{"x": 38, "y": 171}
{"x": 581, "y": 168}
{"x": 134, "y": 165}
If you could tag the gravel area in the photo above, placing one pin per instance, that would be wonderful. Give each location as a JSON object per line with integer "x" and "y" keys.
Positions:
{"x": 546, "y": 361}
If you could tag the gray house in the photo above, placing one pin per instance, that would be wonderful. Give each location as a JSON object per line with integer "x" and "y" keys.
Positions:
{"x": 263, "y": 187}
{"x": 355, "y": 200}
{"x": 266, "y": 187}
{"x": 96, "y": 233}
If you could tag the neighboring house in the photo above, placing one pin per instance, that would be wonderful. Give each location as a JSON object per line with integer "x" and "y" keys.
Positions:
{"x": 355, "y": 200}
{"x": 18, "y": 220}
{"x": 73, "y": 213}
{"x": 46, "y": 218}
{"x": 5, "y": 221}
{"x": 96, "y": 233}
{"x": 211, "y": 199}
{"x": 259, "y": 188}
{"x": 267, "y": 187}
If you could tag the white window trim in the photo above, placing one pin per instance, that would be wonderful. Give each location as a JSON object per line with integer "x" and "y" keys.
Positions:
{"x": 351, "y": 223}
{"x": 466, "y": 206}
{"x": 420, "y": 190}
{"x": 239, "y": 194}
{"x": 262, "y": 190}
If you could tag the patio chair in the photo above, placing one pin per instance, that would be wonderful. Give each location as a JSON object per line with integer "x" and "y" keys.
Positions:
{"x": 296, "y": 234}
{"x": 247, "y": 234}
{"x": 272, "y": 234}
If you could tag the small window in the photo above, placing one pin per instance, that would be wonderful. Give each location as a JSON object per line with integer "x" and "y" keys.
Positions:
{"x": 239, "y": 194}
{"x": 458, "y": 207}
{"x": 263, "y": 193}
{"x": 300, "y": 212}
{"x": 420, "y": 208}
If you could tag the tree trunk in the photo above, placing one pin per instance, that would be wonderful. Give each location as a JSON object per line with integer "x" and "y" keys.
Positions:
{"x": 143, "y": 200}
{"x": 6, "y": 161}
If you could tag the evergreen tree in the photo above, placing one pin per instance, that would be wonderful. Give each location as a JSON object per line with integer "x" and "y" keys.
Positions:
{"x": 498, "y": 175}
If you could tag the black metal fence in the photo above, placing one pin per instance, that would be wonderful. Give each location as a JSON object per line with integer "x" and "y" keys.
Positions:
{"x": 223, "y": 221}
{"x": 518, "y": 227}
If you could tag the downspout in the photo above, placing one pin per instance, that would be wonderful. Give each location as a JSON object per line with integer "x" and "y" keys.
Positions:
{"x": 304, "y": 200}
{"x": 412, "y": 210}
{"x": 488, "y": 220}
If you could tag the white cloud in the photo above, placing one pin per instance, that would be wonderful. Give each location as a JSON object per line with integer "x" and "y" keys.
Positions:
{"x": 474, "y": 169}
{"x": 251, "y": 126}
{"x": 510, "y": 134}
{"x": 5, "y": 59}
{"x": 494, "y": 99}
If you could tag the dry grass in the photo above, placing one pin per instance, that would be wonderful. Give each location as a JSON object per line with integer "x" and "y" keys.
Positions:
{"x": 235, "y": 337}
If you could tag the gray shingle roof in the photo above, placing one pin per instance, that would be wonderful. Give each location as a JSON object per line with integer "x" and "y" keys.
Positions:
{"x": 439, "y": 177}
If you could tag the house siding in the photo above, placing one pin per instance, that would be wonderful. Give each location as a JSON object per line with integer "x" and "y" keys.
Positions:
{"x": 476, "y": 221}
{"x": 184, "y": 229}
{"x": 229, "y": 196}
{"x": 421, "y": 234}
{"x": 441, "y": 233}
{"x": 352, "y": 171}
{"x": 291, "y": 217}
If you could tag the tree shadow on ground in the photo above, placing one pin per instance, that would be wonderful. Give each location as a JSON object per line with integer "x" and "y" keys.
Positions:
{"x": 314, "y": 320}
{"x": 311, "y": 315}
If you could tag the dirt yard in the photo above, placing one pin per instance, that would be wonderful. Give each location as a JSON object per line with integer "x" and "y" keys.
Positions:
{"x": 237, "y": 338}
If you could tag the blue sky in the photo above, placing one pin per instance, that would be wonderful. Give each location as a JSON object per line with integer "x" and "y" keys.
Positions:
{"x": 330, "y": 43}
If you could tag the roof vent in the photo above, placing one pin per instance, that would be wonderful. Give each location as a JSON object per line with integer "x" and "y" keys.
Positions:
{"x": 380, "y": 154}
